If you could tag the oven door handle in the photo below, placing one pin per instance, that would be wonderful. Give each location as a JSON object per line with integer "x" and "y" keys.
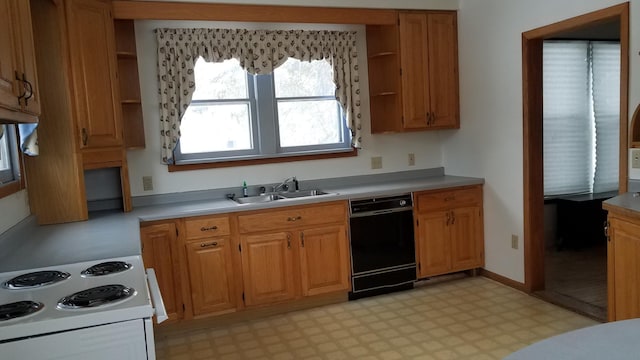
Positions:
{"x": 156, "y": 298}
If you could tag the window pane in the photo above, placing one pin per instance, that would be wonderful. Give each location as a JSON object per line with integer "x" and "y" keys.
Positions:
{"x": 217, "y": 81}
{"x": 304, "y": 123}
{"x": 297, "y": 78}
{"x": 5, "y": 158}
{"x": 211, "y": 128}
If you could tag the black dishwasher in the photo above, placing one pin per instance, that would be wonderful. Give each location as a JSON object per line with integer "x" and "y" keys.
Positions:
{"x": 382, "y": 245}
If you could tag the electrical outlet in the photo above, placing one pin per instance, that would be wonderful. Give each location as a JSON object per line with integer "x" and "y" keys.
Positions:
{"x": 514, "y": 241}
{"x": 376, "y": 162}
{"x": 147, "y": 183}
{"x": 635, "y": 158}
{"x": 412, "y": 159}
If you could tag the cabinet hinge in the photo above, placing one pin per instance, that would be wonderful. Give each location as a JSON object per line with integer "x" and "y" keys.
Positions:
{"x": 398, "y": 21}
{"x": 184, "y": 308}
{"x": 177, "y": 232}
{"x": 243, "y": 298}
{"x": 240, "y": 249}
{"x": 417, "y": 222}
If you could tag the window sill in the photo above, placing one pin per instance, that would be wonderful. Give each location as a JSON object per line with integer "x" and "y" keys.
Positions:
{"x": 11, "y": 188}
{"x": 247, "y": 162}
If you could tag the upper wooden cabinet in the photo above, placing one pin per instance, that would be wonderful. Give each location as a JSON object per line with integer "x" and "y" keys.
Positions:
{"x": 413, "y": 73}
{"x": 19, "y": 97}
{"x": 94, "y": 73}
{"x": 449, "y": 231}
{"x": 80, "y": 127}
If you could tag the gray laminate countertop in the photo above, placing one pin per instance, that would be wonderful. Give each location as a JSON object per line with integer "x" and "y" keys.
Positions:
{"x": 110, "y": 234}
{"x": 628, "y": 201}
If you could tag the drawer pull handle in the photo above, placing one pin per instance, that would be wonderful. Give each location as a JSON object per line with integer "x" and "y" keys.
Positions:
{"x": 212, "y": 244}
{"x": 295, "y": 218}
{"x": 211, "y": 228}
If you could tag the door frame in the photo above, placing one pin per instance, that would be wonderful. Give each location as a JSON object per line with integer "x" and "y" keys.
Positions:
{"x": 532, "y": 128}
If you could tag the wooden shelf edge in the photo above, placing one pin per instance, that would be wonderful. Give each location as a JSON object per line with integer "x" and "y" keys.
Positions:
{"x": 126, "y": 55}
{"x": 384, "y": 93}
{"x": 382, "y": 54}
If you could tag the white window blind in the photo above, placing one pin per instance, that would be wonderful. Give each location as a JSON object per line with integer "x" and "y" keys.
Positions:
{"x": 580, "y": 116}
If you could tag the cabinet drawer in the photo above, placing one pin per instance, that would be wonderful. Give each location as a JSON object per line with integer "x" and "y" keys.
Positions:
{"x": 202, "y": 227}
{"x": 447, "y": 199}
{"x": 292, "y": 217}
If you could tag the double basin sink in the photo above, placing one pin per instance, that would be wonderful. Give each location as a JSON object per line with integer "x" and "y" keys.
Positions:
{"x": 262, "y": 198}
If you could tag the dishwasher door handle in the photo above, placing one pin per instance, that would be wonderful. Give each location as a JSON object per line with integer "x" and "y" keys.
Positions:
{"x": 380, "y": 212}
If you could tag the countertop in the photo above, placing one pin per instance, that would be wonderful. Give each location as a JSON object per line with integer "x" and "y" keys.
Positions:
{"x": 611, "y": 341}
{"x": 112, "y": 234}
{"x": 627, "y": 202}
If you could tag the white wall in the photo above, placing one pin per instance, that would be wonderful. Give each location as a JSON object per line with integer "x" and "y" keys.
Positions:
{"x": 489, "y": 143}
{"x": 14, "y": 208}
{"x": 394, "y": 149}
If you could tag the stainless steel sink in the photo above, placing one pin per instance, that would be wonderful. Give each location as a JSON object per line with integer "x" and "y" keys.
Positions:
{"x": 259, "y": 199}
{"x": 303, "y": 193}
{"x": 280, "y": 196}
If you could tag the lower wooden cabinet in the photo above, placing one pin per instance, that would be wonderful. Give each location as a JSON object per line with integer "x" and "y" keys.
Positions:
{"x": 211, "y": 276}
{"x": 449, "y": 231}
{"x": 293, "y": 252}
{"x": 324, "y": 260}
{"x": 267, "y": 268}
{"x": 623, "y": 265}
{"x": 160, "y": 252}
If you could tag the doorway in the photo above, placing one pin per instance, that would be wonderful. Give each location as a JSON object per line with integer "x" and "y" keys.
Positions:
{"x": 532, "y": 45}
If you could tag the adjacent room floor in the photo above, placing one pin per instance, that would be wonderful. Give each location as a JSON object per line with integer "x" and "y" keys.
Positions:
{"x": 577, "y": 279}
{"x": 469, "y": 318}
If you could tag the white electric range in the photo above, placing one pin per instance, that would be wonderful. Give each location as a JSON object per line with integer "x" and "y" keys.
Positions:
{"x": 95, "y": 309}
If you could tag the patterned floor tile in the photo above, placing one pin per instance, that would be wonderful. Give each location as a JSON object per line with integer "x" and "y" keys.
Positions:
{"x": 469, "y": 318}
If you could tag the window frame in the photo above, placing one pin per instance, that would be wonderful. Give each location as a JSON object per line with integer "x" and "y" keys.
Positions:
{"x": 17, "y": 182}
{"x": 264, "y": 121}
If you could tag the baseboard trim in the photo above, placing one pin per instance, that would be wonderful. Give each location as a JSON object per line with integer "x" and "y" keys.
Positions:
{"x": 503, "y": 280}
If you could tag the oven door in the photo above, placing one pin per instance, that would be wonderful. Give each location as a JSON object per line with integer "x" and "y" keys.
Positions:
{"x": 156, "y": 298}
{"x": 122, "y": 340}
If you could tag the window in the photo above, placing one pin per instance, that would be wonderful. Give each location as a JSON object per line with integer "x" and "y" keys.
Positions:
{"x": 10, "y": 180}
{"x": 581, "y": 85}
{"x": 234, "y": 115}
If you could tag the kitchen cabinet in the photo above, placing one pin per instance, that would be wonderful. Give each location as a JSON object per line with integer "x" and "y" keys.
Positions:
{"x": 414, "y": 76}
{"x": 129, "y": 81}
{"x": 80, "y": 127}
{"x": 293, "y": 252}
{"x": 160, "y": 252}
{"x": 623, "y": 263}
{"x": 19, "y": 96}
{"x": 210, "y": 265}
{"x": 449, "y": 230}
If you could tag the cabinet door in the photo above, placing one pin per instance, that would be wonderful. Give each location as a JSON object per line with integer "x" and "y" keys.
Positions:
{"x": 27, "y": 57}
{"x": 211, "y": 274}
{"x": 624, "y": 270}
{"x": 324, "y": 260}
{"x": 8, "y": 98}
{"x": 160, "y": 253}
{"x": 433, "y": 247}
{"x": 267, "y": 268}
{"x": 443, "y": 70}
{"x": 463, "y": 230}
{"x": 414, "y": 61}
{"x": 94, "y": 67}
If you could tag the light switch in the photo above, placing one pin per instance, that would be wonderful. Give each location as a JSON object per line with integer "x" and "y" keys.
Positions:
{"x": 635, "y": 158}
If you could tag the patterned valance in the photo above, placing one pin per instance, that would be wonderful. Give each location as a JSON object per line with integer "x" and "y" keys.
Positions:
{"x": 259, "y": 52}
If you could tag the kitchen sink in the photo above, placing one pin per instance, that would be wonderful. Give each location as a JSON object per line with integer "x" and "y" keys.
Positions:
{"x": 259, "y": 199}
{"x": 303, "y": 193}
{"x": 280, "y": 196}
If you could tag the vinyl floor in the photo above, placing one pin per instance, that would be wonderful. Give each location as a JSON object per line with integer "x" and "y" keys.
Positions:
{"x": 468, "y": 318}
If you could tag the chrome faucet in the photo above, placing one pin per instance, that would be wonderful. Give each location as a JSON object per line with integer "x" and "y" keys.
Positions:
{"x": 283, "y": 185}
